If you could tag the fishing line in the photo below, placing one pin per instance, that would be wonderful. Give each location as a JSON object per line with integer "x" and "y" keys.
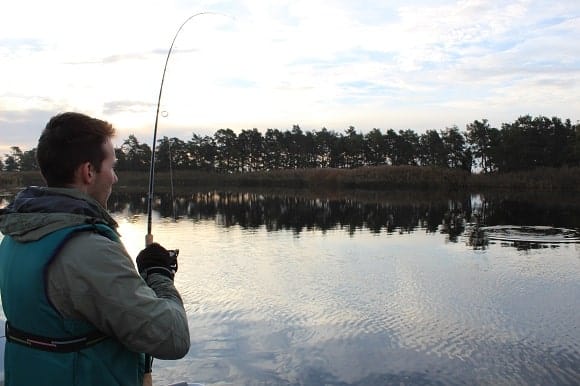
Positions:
{"x": 171, "y": 178}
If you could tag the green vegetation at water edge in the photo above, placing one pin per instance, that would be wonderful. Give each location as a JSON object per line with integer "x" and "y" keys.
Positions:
{"x": 364, "y": 178}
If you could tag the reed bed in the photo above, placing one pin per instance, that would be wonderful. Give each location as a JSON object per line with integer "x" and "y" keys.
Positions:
{"x": 10, "y": 180}
{"x": 541, "y": 179}
{"x": 377, "y": 178}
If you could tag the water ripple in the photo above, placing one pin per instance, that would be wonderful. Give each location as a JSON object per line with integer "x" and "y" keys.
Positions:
{"x": 532, "y": 234}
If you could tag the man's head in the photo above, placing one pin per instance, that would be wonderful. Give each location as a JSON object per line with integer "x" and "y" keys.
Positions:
{"x": 75, "y": 150}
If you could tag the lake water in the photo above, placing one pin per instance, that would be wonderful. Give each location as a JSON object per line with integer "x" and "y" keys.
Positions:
{"x": 370, "y": 289}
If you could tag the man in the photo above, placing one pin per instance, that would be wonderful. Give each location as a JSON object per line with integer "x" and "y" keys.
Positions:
{"x": 78, "y": 313}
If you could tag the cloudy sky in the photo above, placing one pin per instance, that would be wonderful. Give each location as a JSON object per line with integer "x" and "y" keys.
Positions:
{"x": 272, "y": 64}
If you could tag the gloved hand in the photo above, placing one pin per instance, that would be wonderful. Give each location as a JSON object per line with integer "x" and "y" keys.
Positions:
{"x": 156, "y": 259}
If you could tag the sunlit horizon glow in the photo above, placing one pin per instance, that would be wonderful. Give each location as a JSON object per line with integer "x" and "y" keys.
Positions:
{"x": 253, "y": 64}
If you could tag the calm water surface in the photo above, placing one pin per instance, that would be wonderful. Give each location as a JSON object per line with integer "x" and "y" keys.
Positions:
{"x": 282, "y": 290}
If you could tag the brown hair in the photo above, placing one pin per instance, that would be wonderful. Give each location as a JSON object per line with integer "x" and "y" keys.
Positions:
{"x": 69, "y": 140}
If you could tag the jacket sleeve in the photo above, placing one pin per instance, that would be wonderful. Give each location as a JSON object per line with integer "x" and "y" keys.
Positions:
{"x": 93, "y": 278}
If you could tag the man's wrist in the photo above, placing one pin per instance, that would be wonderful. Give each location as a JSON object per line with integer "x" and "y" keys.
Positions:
{"x": 157, "y": 270}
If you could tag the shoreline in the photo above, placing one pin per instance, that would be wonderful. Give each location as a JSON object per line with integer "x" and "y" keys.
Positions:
{"x": 372, "y": 179}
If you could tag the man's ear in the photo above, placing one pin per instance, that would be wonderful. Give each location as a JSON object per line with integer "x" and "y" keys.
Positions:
{"x": 85, "y": 173}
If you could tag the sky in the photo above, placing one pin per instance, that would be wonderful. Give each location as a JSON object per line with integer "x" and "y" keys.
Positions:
{"x": 263, "y": 64}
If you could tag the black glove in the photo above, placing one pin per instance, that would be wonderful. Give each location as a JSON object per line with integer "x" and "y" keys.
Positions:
{"x": 156, "y": 259}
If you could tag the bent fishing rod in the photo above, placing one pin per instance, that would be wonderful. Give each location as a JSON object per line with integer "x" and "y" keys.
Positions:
{"x": 149, "y": 235}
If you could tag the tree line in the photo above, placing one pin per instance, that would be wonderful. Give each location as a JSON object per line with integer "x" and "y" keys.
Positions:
{"x": 527, "y": 143}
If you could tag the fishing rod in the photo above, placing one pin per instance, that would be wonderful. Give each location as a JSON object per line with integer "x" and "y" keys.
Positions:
{"x": 149, "y": 235}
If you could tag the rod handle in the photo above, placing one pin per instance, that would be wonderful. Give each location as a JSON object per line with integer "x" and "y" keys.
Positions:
{"x": 147, "y": 378}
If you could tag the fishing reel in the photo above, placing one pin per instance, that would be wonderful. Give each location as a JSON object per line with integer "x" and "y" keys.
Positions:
{"x": 173, "y": 253}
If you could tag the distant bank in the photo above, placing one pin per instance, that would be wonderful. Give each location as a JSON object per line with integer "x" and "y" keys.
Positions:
{"x": 364, "y": 178}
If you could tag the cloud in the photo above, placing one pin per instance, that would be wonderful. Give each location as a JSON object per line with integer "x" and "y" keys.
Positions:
{"x": 115, "y": 107}
{"x": 143, "y": 56}
{"x": 22, "y": 127}
{"x": 17, "y": 46}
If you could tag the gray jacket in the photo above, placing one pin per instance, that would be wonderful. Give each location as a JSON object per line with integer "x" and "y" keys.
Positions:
{"x": 94, "y": 278}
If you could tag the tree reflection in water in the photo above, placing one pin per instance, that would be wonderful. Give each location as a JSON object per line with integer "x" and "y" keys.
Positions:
{"x": 402, "y": 212}
{"x": 461, "y": 217}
